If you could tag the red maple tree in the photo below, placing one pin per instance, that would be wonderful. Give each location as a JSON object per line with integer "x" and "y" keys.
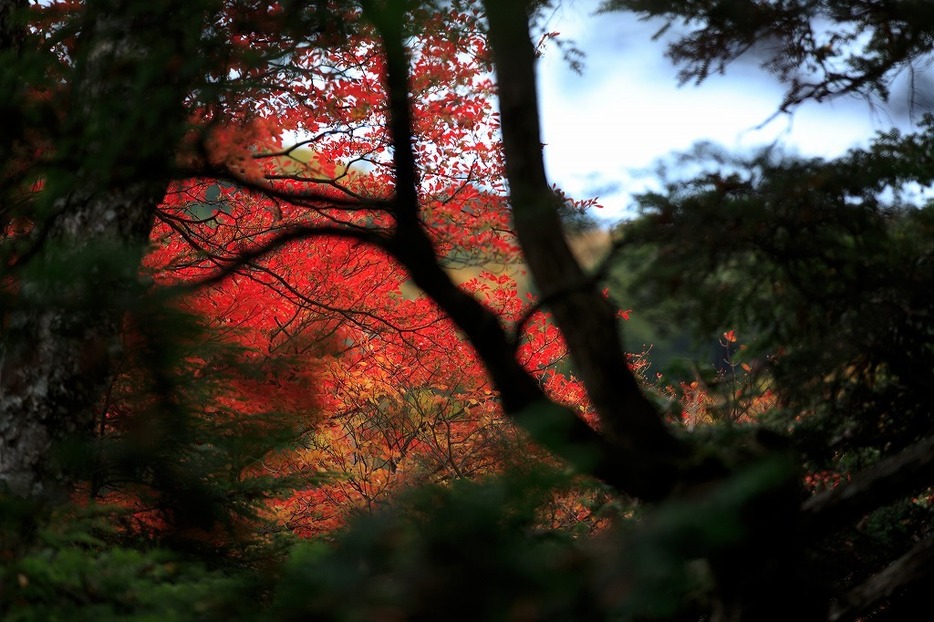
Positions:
{"x": 271, "y": 242}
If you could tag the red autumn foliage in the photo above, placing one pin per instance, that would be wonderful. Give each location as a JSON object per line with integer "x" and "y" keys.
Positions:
{"x": 332, "y": 341}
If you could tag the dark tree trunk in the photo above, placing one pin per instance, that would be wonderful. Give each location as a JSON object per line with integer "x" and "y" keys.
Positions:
{"x": 753, "y": 574}
{"x": 90, "y": 225}
{"x": 631, "y": 463}
{"x": 587, "y": 321}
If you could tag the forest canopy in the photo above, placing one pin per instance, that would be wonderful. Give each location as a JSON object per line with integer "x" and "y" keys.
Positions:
{"x": 295, "y": 326}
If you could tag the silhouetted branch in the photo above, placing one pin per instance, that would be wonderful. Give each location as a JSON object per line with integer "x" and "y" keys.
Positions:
{"x": 882, "y": 483}
{"x": 292, "y": 234}
{"x": 910, "y": 567}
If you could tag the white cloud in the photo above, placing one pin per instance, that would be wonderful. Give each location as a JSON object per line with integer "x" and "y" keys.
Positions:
{"x": 626, "y": 110}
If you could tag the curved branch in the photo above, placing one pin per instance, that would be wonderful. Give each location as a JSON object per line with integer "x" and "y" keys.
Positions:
{"x": 292, "y": 234}
{"x": 555, "y": 427}
{"x": 354, "y": 202}
{"x": 546, "y": 298}
{"x": 882, "y": 483}
{"x": 909, "y": 568}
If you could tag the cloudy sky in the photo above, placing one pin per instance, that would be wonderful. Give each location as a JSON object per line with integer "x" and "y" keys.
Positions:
{"x": 604, "y": 129}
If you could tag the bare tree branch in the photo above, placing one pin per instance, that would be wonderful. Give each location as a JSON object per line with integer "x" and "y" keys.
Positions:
{"x": 292, "y": 234}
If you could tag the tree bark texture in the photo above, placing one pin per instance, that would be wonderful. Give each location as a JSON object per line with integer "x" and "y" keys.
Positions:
{"x": 90, "y": 227}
